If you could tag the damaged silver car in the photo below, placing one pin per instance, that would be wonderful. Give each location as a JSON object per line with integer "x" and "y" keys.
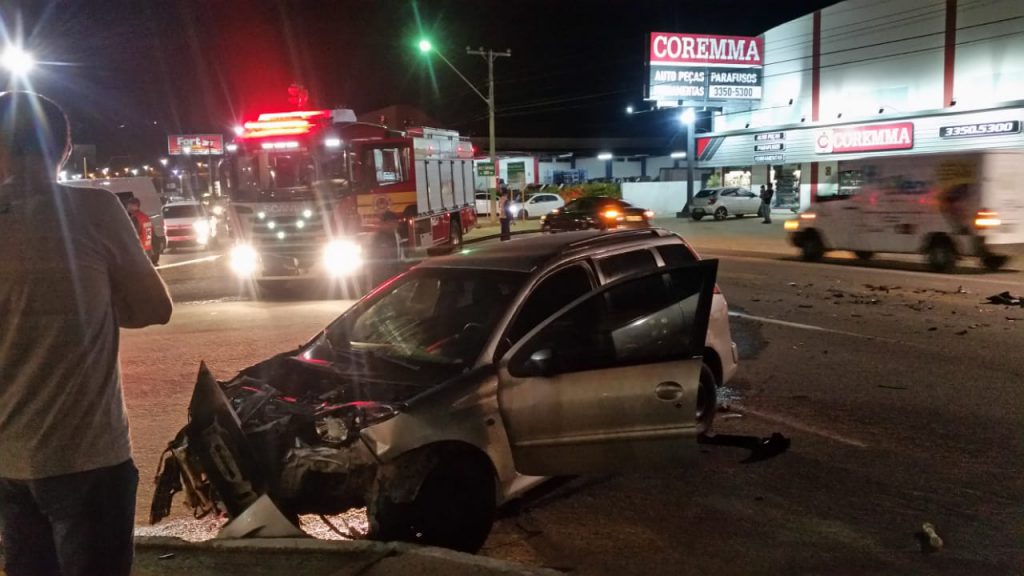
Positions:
{"x": 459, "y": 385}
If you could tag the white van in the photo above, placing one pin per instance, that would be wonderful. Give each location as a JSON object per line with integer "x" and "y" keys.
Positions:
{"x": 944, "y": 206}
{"x": 140, "y": 187}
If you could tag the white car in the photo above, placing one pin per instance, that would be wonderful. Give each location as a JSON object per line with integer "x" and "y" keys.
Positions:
{"x": 724, "y": 202}
{"x": 187, "y": 224}
{"x": 483, "y": 203}
{"x": 538, "y": 205}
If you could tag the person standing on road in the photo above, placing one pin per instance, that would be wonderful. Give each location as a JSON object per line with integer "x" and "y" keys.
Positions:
{"x": 505, "y": 215}
{"x": 766, "y": 203}
{"x": 71, "y": 272}
{"x": 385, "y": 249}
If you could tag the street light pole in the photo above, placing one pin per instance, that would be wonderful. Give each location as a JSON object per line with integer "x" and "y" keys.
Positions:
{"x": 490, "y": 55}
{"x": 689, "y": 118}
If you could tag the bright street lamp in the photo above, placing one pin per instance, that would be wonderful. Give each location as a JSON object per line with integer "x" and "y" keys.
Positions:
{"x": 426, "y": 46}
{"x": 629, "y": 109}
{"x": 17, "y": 61}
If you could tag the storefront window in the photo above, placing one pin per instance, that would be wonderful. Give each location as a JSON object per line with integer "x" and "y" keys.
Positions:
{"x": 786, "y": 179}
{"x": 736, "y": 177}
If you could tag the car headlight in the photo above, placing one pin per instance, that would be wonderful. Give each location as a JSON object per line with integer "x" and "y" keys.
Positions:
{"x": 342, "y": 257}
{"x": 244, "y": 260}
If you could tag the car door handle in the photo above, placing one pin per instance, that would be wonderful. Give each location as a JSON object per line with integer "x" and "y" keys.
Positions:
{"x": 668, "y": 391}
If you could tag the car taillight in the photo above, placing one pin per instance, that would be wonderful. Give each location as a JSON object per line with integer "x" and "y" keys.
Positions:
{"x": 649, "y": 213}
{"x": 611, "y": 214}
{"x": 987, "y": 219}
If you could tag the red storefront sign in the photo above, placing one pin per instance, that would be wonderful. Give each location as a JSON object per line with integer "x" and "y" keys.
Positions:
{"x": 706, "y": 50}
{"x": 869, "y": 138}
{"x": 196, "y": 144}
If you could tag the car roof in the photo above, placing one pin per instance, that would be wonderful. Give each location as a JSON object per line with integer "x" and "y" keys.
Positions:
{"x": 527, "y": 252}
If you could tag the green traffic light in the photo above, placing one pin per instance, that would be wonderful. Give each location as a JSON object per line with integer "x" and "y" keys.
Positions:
{"x": 425, "y": 46}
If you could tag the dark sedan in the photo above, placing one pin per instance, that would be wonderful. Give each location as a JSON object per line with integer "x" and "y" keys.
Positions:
{"x": 596, "y": 212}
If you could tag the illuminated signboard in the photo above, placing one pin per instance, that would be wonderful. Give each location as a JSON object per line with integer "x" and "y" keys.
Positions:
{"x": 704, "y": 68}
{"x": 195, "y": 144}
{"x": 983, "y": 129}
{"x": 868, "y": 138}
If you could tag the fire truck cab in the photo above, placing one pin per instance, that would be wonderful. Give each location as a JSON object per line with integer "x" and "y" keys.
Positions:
{"x": 308, "y": 187}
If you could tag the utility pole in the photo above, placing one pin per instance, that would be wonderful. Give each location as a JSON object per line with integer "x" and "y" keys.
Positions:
{"x": 490, "y": 55}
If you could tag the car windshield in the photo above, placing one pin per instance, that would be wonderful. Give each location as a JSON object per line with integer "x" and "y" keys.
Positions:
{"x": 184, "y": 211}
{"x": 706, "y": 193}
{"x": 431, "y": 315}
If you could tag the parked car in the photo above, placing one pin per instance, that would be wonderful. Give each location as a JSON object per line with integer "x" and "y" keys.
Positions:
{"x": 460, "y": 384}
{"x": 188, "y": 225}
{"x": 538, "y": 205}
{"x": 596, "y": 212}
{"x": 724, "y": 202}
{"x": 483, "y": 203}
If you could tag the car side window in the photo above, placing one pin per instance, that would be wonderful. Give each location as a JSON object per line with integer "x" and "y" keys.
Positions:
{"x": 548, "y": 297}
{"x": 676, "y": 254}
{"x": 729, "y": 192}
{"x": 646, "y": 320}
{"x": 622, "y": 265}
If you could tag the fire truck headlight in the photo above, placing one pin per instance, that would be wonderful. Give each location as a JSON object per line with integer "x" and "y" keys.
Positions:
{"x": 342, "y": 257}
{"x": 244, "y": 260}
{"x": 202, "y": 229}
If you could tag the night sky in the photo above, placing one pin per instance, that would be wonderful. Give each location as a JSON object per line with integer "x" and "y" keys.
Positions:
{"x": 130, "y": 71}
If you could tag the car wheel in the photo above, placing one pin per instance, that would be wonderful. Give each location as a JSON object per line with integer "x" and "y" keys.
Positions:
{"x": 811, "y": 248}
{"x": 994, "y": 262}
{"x": 721, "y": 213}
{"x": 707, "y": 400}
{"x": 697, "y": 217}
{"x": 941, "y": 254}
{"x": 863, "y": 254}
{"x": 546, "y": 228}
{"x": 453, "y": 508}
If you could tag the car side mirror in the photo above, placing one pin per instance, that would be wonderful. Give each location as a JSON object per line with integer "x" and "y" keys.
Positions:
{"x": 541, "y": 363}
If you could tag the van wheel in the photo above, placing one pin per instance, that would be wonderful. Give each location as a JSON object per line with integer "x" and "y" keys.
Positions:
{"x": 454, "y": 507}
{"x": 811, "y": 249}
{"x": 721, "y": 213}
{"x": 941, "y": 254}
{"x": 994, "y": 262}
{"x": 864, "y": 254}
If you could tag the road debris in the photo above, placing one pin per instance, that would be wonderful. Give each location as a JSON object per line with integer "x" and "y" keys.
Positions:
{"x": 961, "y": 333}
{"x": 805, "y": 306}
{"x": 930, "y": 540}
{"x": 881, "y": 288}
{"x": 1006, "y": 299}
{"x": 887, "y": 387}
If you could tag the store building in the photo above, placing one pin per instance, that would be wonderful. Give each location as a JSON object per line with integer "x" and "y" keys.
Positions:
{"x": 863, "y": 78}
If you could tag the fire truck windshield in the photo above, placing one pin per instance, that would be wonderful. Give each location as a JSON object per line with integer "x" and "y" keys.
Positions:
{"x": 262, "y": 175}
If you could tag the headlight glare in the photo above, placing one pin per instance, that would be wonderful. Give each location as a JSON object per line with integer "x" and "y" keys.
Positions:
{"x": 244, "y": 260}
{"x": 342, "y": 257}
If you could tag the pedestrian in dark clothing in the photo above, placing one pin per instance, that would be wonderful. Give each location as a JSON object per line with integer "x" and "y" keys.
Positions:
{"x": 385, "y": 249}
{"x": 505, "y": 215}
{"x": 760, "y": 209}
{"x": 72, "y": 273}
{"x": 766, "y": 203}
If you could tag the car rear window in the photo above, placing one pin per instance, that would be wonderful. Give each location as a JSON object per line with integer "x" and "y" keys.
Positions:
{"x": 706, "y": 193}
{"x": 621, "y": 265}
{"x": 676, "y": 254}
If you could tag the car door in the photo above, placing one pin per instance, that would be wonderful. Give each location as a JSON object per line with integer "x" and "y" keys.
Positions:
{"x": 749, "y": 202}
{"x": 610, "y": 381}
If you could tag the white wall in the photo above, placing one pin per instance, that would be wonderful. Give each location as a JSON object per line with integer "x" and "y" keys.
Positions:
{"x": 626, "y": 169}
{"x": 593, "y": 166}
{"x": 664, "y": 198}
{"x": 655, "y": 164}
{"x": 989, "y": 69}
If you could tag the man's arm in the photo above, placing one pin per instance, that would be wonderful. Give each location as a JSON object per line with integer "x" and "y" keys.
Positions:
{"x": 139, "y": 295}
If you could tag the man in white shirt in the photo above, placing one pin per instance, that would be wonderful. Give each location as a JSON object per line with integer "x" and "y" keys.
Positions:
{"x": 71, "y": 272}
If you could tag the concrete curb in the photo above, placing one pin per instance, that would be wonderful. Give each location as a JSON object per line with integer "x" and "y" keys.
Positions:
{"x": 160, "y": 555}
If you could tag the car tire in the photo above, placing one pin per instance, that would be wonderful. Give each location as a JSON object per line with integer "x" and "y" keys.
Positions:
{"x": 454, "y": 507}
{"x": 811, "y": 248}
{"x": 941, "y": 254}
{"x": 993, "y": 262}
{"x": 721, "y": 213}
{"x": 864, "y": 254}
{"x": 697, "y": 217}
{"x": 707, "y": 400}
{"x": 547, "y": 229}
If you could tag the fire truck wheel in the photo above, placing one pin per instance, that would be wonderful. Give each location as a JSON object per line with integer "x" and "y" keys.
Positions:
{"x": 455, "y": 233}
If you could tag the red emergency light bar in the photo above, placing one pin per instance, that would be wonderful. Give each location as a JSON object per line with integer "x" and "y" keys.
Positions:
{"x": 270, "y": 124}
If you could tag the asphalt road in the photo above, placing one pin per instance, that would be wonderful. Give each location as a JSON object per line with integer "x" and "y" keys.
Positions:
{"x": 899, "y": 389}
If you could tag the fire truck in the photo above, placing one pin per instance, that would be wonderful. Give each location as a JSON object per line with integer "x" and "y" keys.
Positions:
{"x": 308, "y": 187}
